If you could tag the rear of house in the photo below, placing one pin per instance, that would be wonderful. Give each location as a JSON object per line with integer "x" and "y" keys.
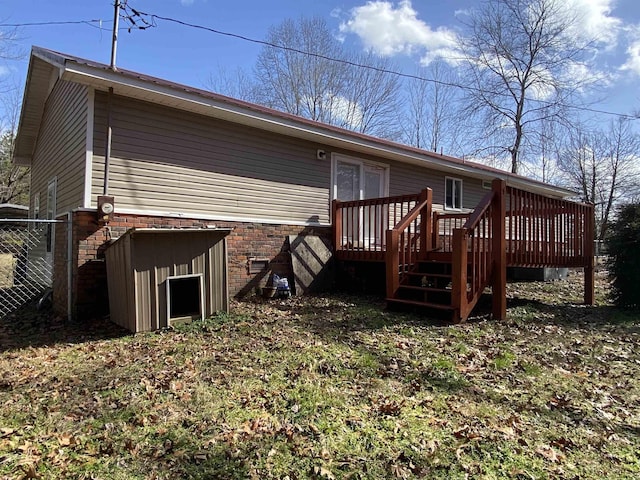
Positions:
{"x": 184, "y": 158}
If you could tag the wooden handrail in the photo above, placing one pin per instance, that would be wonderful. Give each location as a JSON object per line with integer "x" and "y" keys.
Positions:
{"x": 478, "y": 254}
{"x": 479, "y": 211}
{"x": 378, "y": 201}
{"x": 408, "y": 240}
{"x": 413, "y": 214}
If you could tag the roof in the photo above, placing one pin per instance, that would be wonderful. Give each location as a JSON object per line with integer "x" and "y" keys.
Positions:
{"x": 134, "y": 232}
{"x": 11, "y": 210}
{"x": 46, "y": 66}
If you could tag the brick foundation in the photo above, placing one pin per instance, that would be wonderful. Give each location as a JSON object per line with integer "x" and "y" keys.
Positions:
{"x": 89, "y": 286}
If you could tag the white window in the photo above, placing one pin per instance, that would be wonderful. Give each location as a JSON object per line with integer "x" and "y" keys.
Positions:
{"x": 36, "y": 206}
{"x": 452, "y": 193}
{"x": 355, "y": 179}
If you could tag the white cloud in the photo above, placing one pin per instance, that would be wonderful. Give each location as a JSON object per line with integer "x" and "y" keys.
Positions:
{"x": 633, "y": 58}
{"x": 187, "y": 3}
{"x": 594, "y": 20}
{"x": 390, "y": 29}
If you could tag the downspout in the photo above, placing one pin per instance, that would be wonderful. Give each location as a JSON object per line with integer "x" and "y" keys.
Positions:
{"x": 107, "y": 146}
{"x": 70, "y": 266}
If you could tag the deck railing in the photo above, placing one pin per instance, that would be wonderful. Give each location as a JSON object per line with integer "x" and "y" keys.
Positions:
{"x": 509, "y": 227}
{"x": 478, "y": 251}
{"x": 443, "y": 226}
{"x": 544, "y": 231}
{"x": 360, "y": 225}
{"x": 408, "y": 241}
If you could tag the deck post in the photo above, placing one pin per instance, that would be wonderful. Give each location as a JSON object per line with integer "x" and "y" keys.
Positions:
{"x": 392, "y": 263}
{"x": 425, "y": 222}
{"x": 589, "y": 275}
{"x": 459, "y": 274}
{"x": 336, "y": 217}
{"x": 499, "y": 248}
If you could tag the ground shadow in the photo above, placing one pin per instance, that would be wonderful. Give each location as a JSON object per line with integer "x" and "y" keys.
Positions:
{"x": 30, "y": 327}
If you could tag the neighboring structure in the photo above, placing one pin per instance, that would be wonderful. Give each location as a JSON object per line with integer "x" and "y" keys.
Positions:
{"x": 180, "y": 157}
{"x": 13, "y": 212}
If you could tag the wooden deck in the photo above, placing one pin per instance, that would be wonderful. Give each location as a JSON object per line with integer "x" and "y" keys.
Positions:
{"x": 446, "y": 260}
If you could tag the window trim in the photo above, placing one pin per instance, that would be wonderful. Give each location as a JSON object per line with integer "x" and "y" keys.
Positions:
{"x": 336, "y": 157}
{"x": 36, "y": 206}
{"x": 453, "y": 207}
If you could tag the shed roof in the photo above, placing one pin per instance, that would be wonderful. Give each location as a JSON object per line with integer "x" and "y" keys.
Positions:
{"x": 11, "y": 210}
{"x": 46, "y": 66}
{"x": 142, "y": 231}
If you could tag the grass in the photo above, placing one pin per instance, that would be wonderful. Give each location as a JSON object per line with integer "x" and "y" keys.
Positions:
{"x": 7, "y": 264}
{"x": 328, "y": 387}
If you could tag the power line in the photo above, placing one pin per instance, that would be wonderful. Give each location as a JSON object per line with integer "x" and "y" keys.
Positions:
{"x": 145, "y": 24}
{"x": 39, "y": 24}
{"x": 152, "y": 23}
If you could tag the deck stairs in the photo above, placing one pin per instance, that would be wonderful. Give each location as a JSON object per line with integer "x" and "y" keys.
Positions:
{"x": 426, "y": 285}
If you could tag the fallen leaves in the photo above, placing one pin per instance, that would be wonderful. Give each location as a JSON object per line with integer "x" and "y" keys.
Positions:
{"x": 331, "y": 388}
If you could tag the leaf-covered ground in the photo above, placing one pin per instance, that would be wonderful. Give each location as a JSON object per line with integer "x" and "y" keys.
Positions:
{"x": 329, "y": 387}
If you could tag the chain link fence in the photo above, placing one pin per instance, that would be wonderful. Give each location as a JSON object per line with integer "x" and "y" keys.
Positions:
{"x": 26, "y": 262}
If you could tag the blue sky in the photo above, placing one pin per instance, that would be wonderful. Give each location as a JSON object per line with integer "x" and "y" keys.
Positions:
{"x": 410, "y": 32}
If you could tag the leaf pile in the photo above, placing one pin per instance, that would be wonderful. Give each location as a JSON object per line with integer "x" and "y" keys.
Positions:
{"x": 329, "y": 388}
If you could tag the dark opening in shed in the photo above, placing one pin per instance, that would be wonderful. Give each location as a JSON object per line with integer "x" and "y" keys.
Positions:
{"x": 184, "y": 297}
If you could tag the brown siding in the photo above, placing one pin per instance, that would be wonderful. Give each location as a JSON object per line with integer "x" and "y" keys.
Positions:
{"x": 61, "y": 147}
{"x": 170, "y": 161}
{"x": 173, "y": 162}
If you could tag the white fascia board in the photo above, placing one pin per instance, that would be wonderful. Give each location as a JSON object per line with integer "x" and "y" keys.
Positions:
{"x": 192, "y": 101}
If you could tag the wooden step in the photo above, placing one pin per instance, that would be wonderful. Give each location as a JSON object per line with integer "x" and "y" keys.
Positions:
{"x": 416, "y": 303}
{"x": 425, "y": 289}
{"x": 427, "y": 274}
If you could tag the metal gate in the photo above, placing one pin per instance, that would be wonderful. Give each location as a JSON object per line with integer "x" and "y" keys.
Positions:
{"x": 26, "y": 262}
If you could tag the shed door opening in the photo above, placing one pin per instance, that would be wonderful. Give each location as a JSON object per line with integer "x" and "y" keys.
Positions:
{"x": 184, "y": 298}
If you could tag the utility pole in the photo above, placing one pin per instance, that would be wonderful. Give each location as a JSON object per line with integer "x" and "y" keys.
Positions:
{"x": 107, "y": 144}
{"x": 114, "y": 38}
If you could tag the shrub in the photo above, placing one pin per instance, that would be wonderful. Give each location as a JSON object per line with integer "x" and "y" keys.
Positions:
{"x": 624, "y": 257}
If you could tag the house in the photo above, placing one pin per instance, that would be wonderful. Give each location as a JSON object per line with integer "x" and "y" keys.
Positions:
{"x": 180, "y": 157}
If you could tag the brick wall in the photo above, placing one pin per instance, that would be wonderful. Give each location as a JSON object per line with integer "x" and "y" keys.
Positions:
{"x": 245, "y": 241}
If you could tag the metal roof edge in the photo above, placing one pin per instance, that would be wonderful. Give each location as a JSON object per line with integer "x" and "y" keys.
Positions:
{"x": 244, "y": 113}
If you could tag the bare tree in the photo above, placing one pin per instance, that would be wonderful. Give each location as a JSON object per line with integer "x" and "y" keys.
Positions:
{"x": 14, "y": 180}
{"x": 293, "y": 82}
{"x": 373, "y": 96}
{"x": 519, "y": 54}
{"x": 432, "y": 113}
{"x": 325, "y": 83}
{"x": 237, "y": 84}
{"x": 604, "y": 167}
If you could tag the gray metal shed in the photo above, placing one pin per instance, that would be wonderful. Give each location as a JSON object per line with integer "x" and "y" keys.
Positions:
{"x": 160, "y": 276}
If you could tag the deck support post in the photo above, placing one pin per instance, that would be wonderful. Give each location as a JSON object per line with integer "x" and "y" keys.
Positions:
{"x": 589, "y": 270}
{"x": 336, "y": 219}
{"x": 499, "y": 248}
{"x": 459, "y": 274}
{"x": 392, "y": 261}
{"x": 425, "y": 222}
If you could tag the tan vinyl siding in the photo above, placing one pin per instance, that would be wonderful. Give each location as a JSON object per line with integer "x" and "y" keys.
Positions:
{"x": 174, "y": 162}
{"x": 170, "y": 161}
{"x": 61, "y": 148}
{"x": 411, "y": 179}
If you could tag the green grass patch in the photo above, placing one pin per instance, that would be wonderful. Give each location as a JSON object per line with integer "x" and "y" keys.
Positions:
{"x": 328, "y": 387}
